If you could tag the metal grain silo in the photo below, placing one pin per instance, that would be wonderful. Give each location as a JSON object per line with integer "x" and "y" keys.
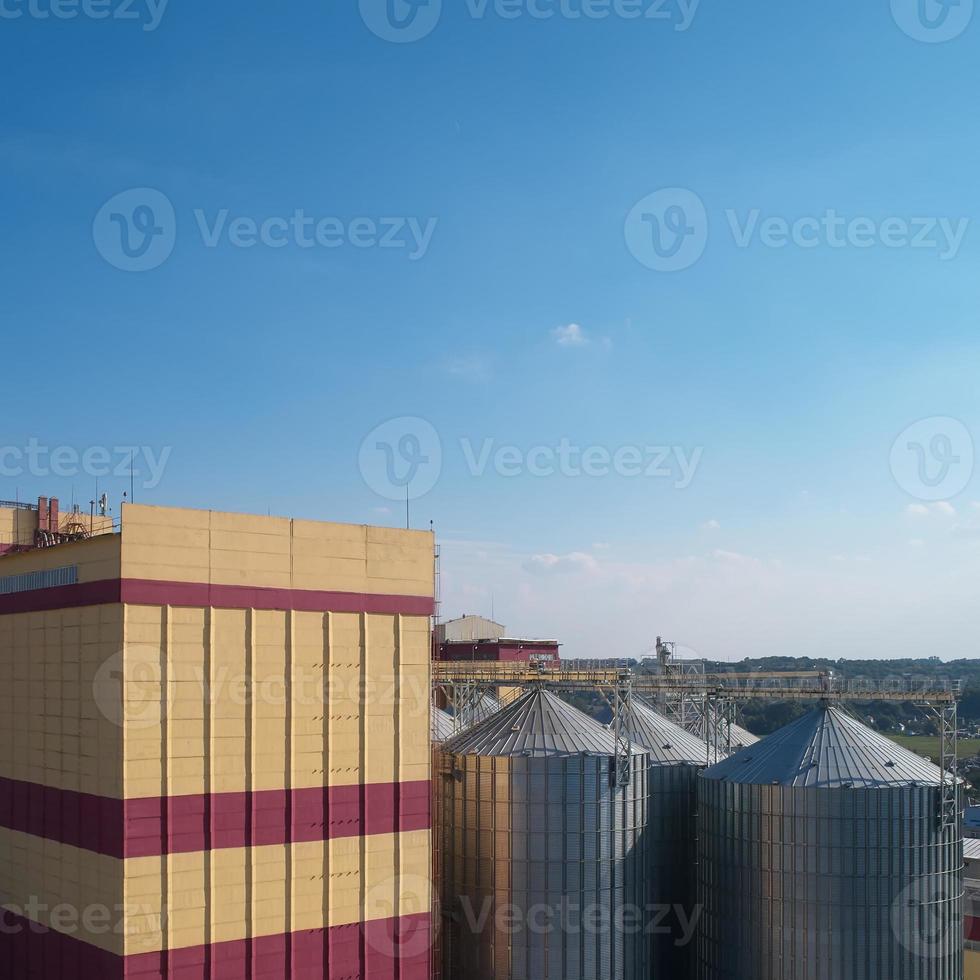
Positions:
{"x": 676, "y": 759}
{"x": 731, "y": 738}
{"x": 545, "y": 852}
{"x": 823, "y": 856}
{"x": 443, "y": 726}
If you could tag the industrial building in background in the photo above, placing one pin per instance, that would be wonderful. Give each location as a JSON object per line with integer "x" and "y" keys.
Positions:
{"x": 24, "y": 527}
{"x": 216, "y": 728}
{"x": 478, "y": 639}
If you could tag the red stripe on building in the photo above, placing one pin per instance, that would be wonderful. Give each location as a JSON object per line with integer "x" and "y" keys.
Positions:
{"x": 143, "y": 592}
{"x": 388, "y": 949}
{"x": 187, "y": 824}
{"x": 104, "y": 593}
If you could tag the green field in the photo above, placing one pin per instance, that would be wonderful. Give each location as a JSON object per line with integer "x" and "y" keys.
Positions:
{"x": 927, "y": 745}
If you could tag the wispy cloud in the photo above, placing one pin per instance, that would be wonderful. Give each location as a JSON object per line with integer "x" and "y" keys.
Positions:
{"x": 469, "y": 367}
{"x": 577, "y": 561}
{"x": 711, "y": 525}
{"x": 943, "y": 507}
{"x": 725, "y": 603}
{"x": 570, "y": 336}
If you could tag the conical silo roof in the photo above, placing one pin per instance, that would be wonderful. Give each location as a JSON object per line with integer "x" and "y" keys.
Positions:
{"x": 666, "y": 742}
{"x": 536, "y": 724}
{"x": 823, "y": 750}
{"x": 443, "y": 726}
{"x": 741, "y": 738}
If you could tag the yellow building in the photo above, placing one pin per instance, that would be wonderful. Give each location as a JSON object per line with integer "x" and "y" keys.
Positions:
{"x": 214, "y": 751}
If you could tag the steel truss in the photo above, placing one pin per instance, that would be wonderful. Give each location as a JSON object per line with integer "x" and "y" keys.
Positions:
{"x": 705, "y": 704}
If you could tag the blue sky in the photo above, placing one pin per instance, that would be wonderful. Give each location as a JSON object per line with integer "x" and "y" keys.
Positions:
{"x": 525, "y": 314}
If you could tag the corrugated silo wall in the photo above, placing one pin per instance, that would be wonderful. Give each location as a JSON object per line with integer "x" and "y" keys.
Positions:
{"x": 672, "y": 882}
{"x": 827, "y": 884}
{"x": 544, "y": 861}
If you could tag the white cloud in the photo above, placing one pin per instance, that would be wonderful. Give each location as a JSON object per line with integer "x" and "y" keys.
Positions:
{"x": 472, "y": 367}
{"x": 733, "y": 556}
{"x": 968, "y": 530}
{"x": 601, "y": 546}
{"x": 726, "y": 606}
{"x": 711, "y": 525}
{"x": 548, "y": 564}
{"x": 921, "y": 510}
{"x": 571, "y": 336}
